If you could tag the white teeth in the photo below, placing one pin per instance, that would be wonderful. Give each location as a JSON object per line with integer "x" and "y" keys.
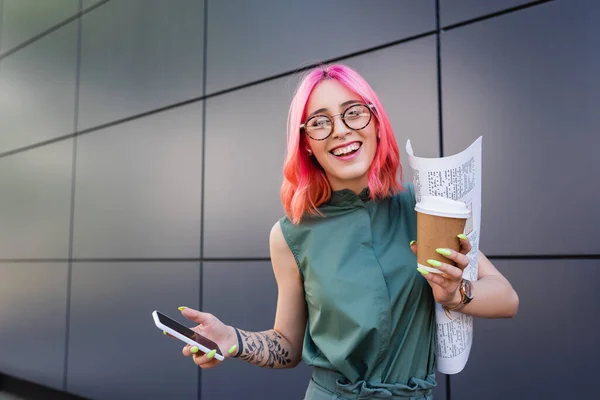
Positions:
{"x": 347, "y": 149}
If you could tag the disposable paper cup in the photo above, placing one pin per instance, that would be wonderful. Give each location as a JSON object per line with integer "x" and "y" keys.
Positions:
{"x": 439, "y": 222}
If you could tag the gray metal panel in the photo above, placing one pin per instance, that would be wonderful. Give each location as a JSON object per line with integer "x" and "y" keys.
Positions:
{"x": 24, "y": 19}
{"x": 244, "y": 156}
{"x": 248, "y": 41}
{"x": 88, "y": 3}
{"x": 115, "y": 350}
{"x": 237, "y": 137}
{"x": 138, "y": 187}
{"x": 37, "y": 90}
{"x": 139, "y": 55}
{"x": 530, "y": 91}
{"x": 35, "y": 202}
{"x": 439, "y": 392}
{"x": 453, "y": 11}
{"x": 251, "y": 308}
{"x": 1, "y": 18}
{"x": 405, "y": 79}
{"x": 33, "y": 301}
{"x": 550, "y": 349}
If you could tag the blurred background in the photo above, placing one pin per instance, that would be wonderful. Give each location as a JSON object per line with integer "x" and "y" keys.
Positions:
{"x": 141, "y": 146}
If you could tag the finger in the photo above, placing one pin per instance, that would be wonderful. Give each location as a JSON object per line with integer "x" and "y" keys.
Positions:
{"x": 413, "y": 247}
{"x": 445, "y": 270}
{"x": 449, "y": 272}
{"x": 201, "y": 359}
{"x": 169, "y": 335}
{"x": 186, "y": 350}
{"x": 195, "y": 315}
{"x": 447, "y": 276}
{"x": 436, "y": 279}
{"x": 465, "y": 244}
{"x": 461, "y": 260}
{"x": 210, "y": 363}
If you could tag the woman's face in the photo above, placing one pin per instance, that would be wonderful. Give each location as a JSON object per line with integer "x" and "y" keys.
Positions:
{"x": 346, "y": 155}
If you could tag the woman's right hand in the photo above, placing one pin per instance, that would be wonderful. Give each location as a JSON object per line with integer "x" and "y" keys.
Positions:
{"x": 211, "y": 327}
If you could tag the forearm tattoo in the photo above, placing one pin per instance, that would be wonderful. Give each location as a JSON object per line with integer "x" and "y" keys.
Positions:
{"x": 265, "y": 349}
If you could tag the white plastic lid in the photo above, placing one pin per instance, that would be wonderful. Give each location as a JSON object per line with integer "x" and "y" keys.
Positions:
{"x": 442, "y": 207}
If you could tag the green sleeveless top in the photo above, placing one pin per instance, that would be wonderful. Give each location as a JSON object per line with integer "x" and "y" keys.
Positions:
{"x": 370, "y": 312}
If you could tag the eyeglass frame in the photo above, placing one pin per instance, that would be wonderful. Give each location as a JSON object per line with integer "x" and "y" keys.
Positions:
{"x": 370, "y": 107}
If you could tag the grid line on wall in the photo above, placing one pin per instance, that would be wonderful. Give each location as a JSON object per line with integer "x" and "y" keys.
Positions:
{"x": 202, "y": 178}
{"x": 212, "y": 95}
{"x": 438, "y": 57}
{"x": 204, "y": 97}
{"x": 1, "y": 17}
{"x": 253, "y": 259}
{"x": 53, "y": 28}
{"x": 72, "y": 209}
{"x": 493, "y": 15}
{"x": 249, "y": 84}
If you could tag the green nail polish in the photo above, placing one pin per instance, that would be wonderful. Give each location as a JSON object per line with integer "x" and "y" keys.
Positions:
{"x": 444, "y": 252}
{"x": 422, "y": 271}
{"x": 412, "y": 242}
{"x": 194, "y": 349}
{"x": 232, "y": 349}
{"x": 434, "y": 263}
{"x": 181, "y": 308}
{"x": 211, "y": 354}
{"x": 462, "y": 236}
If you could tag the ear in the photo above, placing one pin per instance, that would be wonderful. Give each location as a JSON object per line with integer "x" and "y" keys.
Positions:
{"x": 309, "y": 151}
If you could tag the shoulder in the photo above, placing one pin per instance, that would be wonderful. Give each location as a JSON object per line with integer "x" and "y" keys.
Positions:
{"x": 284, "y": 257}
{"x": 283, "y": 237}
{"x": 277, "y": 239}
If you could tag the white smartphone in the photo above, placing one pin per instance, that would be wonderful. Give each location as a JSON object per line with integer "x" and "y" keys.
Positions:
{"x": 185, "y": 334}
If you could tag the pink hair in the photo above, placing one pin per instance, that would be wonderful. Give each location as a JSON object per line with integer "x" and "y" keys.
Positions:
{"x": 305, "y": 186}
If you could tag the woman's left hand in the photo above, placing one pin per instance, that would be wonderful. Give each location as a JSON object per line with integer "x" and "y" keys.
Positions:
{"x": 445, "y": 285}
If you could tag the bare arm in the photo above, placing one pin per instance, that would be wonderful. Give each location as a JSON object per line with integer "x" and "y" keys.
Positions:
{"x": 494, "y": 297}
{"x": 280, "y": 347}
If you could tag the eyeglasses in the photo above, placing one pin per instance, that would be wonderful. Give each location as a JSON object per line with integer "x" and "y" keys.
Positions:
{"x": 355, "y": 117}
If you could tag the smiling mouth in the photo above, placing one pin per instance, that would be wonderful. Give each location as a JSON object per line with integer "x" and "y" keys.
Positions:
{"x": 346, "y": 150}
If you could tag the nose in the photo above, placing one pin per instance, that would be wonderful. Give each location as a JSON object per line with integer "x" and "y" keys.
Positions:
{"x": 340, "y": 130}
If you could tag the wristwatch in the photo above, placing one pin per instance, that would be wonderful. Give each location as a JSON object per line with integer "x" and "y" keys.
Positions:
{"x": 466, "y": 294}
{"x": 466, "y": 291}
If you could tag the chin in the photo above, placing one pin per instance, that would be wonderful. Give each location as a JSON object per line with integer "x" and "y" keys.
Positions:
{"x": 351, "y": 173}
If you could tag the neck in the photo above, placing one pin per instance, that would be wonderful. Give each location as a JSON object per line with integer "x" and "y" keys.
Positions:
{"x": 356, "y": 185}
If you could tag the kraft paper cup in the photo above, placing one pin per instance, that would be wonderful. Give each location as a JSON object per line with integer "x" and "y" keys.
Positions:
{"x": 439, "y": 221}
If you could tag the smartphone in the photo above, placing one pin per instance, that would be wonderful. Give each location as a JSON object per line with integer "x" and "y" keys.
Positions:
{"x": 185, "y": 334}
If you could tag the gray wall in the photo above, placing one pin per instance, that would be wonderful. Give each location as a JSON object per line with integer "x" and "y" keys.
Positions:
{"x": 127, "y": 131}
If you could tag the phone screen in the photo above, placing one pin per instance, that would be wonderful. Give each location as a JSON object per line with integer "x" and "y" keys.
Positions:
{"x": 185, "y": 331}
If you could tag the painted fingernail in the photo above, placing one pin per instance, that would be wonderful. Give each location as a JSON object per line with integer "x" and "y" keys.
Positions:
{"x": 164, "y": 332}
{"x": 462, "y": 236}
{"x": 194, "y": 349}
{"x": 232, "y": 349}
{"x": 444, "y": 252}
{"x": 211, "y": 354}
{"x": 422, "y": 271}
{"x": 434, "y": 263}
{"x": 412, "y": 242}
{"x": 181, "y": 308}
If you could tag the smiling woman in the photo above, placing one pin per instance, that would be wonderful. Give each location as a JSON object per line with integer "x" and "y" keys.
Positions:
{"x": 340, "y": 110}
{"x": 351, "y": 302}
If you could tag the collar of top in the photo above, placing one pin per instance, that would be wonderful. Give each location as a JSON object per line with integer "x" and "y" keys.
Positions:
{"x": 346, "y": 197}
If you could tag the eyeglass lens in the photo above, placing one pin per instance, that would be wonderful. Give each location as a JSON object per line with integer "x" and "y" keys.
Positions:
{"x": 356, "y": 117}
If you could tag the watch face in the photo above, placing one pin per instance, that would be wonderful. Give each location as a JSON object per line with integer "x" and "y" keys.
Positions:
{"x": 468, "y": 289}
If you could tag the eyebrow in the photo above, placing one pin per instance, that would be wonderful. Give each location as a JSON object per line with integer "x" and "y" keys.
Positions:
{"x": 344, "y": 104}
